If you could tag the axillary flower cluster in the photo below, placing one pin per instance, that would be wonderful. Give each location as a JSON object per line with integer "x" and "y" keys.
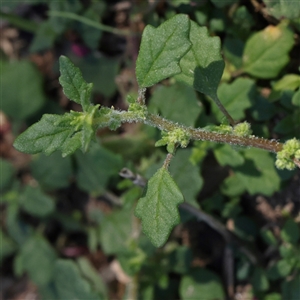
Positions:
{"x": 173, "y": 138}
{"x": 289, "y": 155}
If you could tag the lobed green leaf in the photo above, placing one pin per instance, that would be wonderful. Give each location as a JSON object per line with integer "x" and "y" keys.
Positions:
{"x": 266, "y": 52}
{"x": 51, "y": 133}
{"x": 74, "y": 86}
{"x": 161, "y": 50}
{"x": 202, "y": 66}
{"x": 158, "y": 208}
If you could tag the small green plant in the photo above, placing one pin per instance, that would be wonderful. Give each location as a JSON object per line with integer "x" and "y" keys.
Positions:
{"x": 178, "y": 48}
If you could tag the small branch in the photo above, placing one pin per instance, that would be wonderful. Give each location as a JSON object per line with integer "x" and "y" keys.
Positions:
{"x": 202, "y": 134}
{"x": 86, "y": 21}
{"x": 194, "y": 133}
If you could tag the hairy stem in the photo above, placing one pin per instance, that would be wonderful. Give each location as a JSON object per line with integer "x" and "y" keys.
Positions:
{"x": 202, "y": 134}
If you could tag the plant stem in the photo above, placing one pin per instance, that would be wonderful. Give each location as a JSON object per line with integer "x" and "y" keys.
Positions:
{"x": 107, "y": 119}
{"x": 84, "y": 20}
{"x": 203, "y": 134}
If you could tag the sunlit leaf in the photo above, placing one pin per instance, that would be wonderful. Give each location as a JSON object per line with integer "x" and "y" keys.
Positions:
{"x": 161, "y": 50}
{"x": 266, "y": 52}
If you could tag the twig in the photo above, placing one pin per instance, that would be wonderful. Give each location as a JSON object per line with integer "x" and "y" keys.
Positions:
{"x": 194, "y": 133}
{"x": 202, "y": 134}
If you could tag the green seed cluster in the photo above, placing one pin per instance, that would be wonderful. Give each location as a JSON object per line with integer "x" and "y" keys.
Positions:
{"x": 242, "y": 129}
{"x": 140, "y": 111}
{"x": 172, "y": 138}
{"x": 289, "y": 152}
